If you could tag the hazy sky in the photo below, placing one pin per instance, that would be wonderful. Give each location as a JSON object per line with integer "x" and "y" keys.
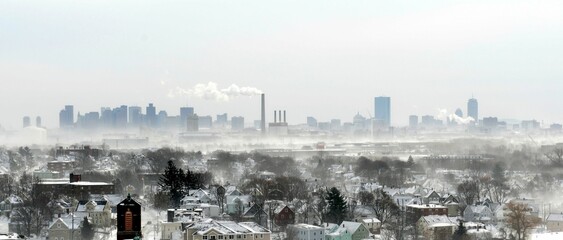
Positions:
{"x": 322, "y": 58}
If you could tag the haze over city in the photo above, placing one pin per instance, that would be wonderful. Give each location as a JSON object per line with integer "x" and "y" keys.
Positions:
{"x": 281, "y": 120}
{"x": 313, "y": 58}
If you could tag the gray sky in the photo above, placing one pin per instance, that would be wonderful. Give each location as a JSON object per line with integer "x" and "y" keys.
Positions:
{"x": 322, "y": 58}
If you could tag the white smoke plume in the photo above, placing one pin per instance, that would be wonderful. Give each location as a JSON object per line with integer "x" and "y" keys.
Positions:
{"x": 445, "y": 116}
{"x": 211, "y": 91}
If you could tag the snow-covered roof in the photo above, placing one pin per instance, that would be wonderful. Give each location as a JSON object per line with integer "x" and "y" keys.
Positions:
{"x": 555, "y": 217}
{"x": 352, "y": 227}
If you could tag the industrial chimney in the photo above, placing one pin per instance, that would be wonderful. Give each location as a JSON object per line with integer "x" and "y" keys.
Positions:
{"x": 284, "y": 117}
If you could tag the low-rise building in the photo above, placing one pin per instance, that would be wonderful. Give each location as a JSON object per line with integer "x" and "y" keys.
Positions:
{"x": 357, "y": 229}
{"x": 554, "y": 222}
{"x": 308, "y": 232}
{"x": 226, "y": 230}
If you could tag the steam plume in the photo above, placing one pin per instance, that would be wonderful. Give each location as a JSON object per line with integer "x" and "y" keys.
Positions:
{"x": 211, "y": 91}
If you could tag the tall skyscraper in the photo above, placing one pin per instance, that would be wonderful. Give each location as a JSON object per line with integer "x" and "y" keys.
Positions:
{"x": 413, "y": 121}
{"x": 26, "y": 121}
{"x": 383, "y": 110}
{"x": 38, "y": 121}
{"x": 151, "y": 115}
{"x": 311, "y": 122}
{"x": 473, "y": 109}
{"x": 135, "y": 116}
{"x": 66, "y": 117}
{"x": 185, "y": 112}
{"x": 237, "y": 123}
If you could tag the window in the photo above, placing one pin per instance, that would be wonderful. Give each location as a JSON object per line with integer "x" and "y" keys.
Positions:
{"x": 204, "y": 237}
{"x": 220, "y": 236}
{"x": 238, "y": 236}
{"x": 231, "y": 237}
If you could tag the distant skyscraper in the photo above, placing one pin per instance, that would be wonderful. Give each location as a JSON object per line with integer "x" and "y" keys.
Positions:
{"x": 413, "y": 121}
{"x": 459, "y": 113}
{"x": 120, "y": 117}
{"x": 205, "y": 122}
{"x": 106, "y": 117}
{"x": 311, "y": 122}
{"x": 193, "y": 123}
{"x": 237, "y": 123}
{"x": 151, "y": 115}
{"x": 66, "y": 117}
{"x": 383, "y": 110}
{"x": 473, "y": 109}
{"x": 335, "y": 124}
{"x": 26, "y": 121}
{"x": 135, "y": 115}
{"x": 221, "y": 120}
{"x": 38, "y": 121}
{"x": 185, "y": 112}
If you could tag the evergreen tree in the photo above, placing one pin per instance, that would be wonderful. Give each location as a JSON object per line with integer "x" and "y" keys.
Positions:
{"x": 336, "y": 206}
{"x": 172, "y": 183}
{"x": 87, "y": 230}
{"x": 460, "y": 232}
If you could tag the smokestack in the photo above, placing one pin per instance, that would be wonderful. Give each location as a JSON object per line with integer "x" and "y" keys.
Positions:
{"x": 275, "y": 116}
{"x": 280, "y": 115}
{"x": 284, "y": 117}
{"x": 263, "y": 123}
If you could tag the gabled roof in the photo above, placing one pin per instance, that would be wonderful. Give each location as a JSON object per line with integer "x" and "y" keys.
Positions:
{"x": 352, "y": 227}
{"x": 252, "y": 211}
{"x": 280, "y": 208}
{"x": 555, "y": 217}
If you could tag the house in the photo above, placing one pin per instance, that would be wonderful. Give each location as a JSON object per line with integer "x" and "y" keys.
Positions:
{"x": 554, "y": 222}
{"x": 256, "y": 214}
{"x": 10, "y": 203}
{"x": 372, "y": 224}
{"x": 436, "y": 227}
{"x": 356, "y": 229}
{"x": 237, "y": 203}
{"x": 283, "y": 215}
{"x": 415, "y": 211}
{"x": 335, "y": 232}
{"x": 226, "y": 230}
{"x": 307, "y": 232}
{"x": 479, "y": 213}
{"x": 432, "y": 197}
{"x": 98, "y": 211}
{"x": 63, "y": 227}
{"x": 169, "y": 229}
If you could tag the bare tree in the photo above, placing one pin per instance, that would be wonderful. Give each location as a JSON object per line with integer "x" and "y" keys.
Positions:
{"x": 555, "y": 156}
{"x": 520, "y": 220}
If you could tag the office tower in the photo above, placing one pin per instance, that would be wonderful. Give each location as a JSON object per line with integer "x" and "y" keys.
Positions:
{"x": 120, "y": 117}
{"x": 263, "y": 114}
{"x": 205, "y": 122}
{"x": 185, "y": 112}
{"x": 91, "y": 120}
{"x": 222, "y": 120}
{"x": 106, "y": 117}
{"x": 383, "y": 110}
{"x": 459, "y": 113}
{"x": 161, "y": 119}
{"x": 26, "y": 121}
{"x": 237, "y": 123}
{"x": 38, "y": 121}
{"x": 413, "y": 121}
{"x": 473, "y": 109}
{"x": 335, "y": 124}
{"x": 66, "y": 117}
{"x": 311, "y": 122}
{"x": 151, "y": 115}
{"x": 135, "y": 116}
{"x": 193, "y": 123}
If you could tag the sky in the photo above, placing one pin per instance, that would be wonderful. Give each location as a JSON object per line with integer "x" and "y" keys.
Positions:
{"x": 321, "y": 58}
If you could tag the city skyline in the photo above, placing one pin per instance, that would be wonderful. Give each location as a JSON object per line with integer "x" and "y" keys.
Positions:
{"x": 321, "y": 58}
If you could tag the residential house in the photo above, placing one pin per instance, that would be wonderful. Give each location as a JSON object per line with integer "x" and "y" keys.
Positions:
{"x": 307, "y": 232}
{"x": 169, "y": 229}
{"x": 335, "y": 232}
{"x": 554, "y": 222}
{"x": 63, "y": 227}
{"x": 256, "y": 214}
{"x": 436, "y": 227}
{"x": 432, "y": 197}
{"x": 98, "y": 211}
{"x": 357, "y": 229}
{"x": 283, "y": 215}
{"x": 226, "y": 230}
{"x": 415, "y": 211}
{"x": 372, "y": 224}
{"x": 479, "y": 213}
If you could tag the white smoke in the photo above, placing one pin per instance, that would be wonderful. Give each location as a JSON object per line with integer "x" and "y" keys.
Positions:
{"x": 445, "y": 116}
{"x": 211, "y": 91}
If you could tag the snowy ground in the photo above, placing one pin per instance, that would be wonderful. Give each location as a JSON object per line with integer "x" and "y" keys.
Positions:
{"x": 4, "y": 225}
{"x": 547, "y": 236}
